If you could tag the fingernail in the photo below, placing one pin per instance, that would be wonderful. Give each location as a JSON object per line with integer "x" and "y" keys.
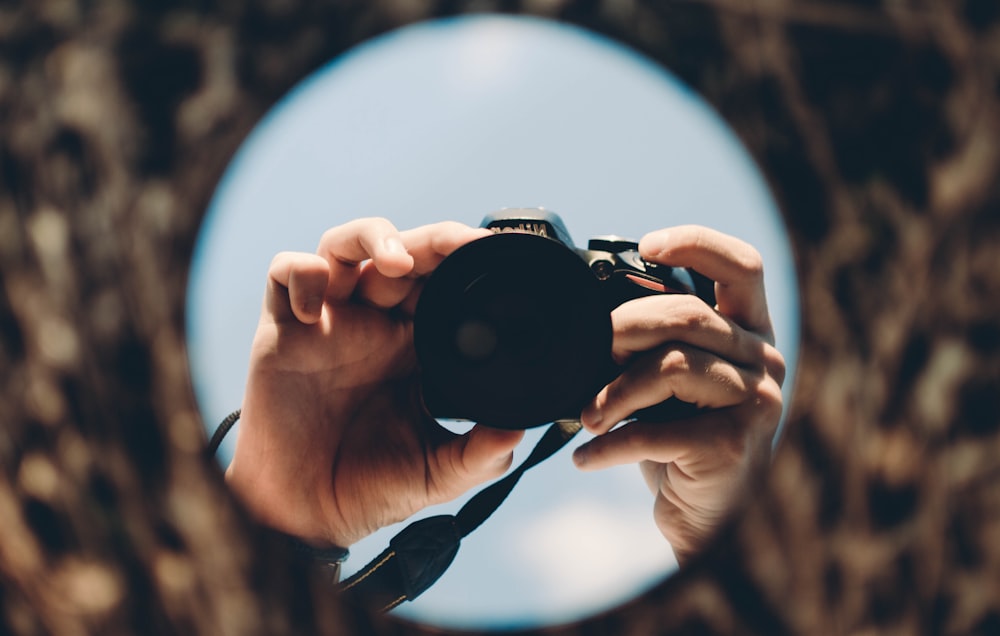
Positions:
{"x": 580, "y": 455}
{"x": 394, "y": 245}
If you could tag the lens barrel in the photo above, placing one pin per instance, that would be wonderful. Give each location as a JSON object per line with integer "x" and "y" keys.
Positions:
{"x": 511, "y": 331}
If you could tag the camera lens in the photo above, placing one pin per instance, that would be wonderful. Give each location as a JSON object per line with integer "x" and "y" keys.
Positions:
{"x": 509, "y": 332}
{"x": 507, "y": 316}
{"x": 476, "y": 339}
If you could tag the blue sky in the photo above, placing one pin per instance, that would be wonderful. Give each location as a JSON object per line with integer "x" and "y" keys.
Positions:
{"x": 453, "y": 120}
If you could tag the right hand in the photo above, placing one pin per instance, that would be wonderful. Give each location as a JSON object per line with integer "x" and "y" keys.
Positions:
{"x": 721, "y": 358}
{"x": 334, "y": 440}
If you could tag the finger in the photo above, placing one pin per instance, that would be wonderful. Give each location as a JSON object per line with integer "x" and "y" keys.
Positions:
{"x": 382, "y": 291}
{"x": 489, "y": 451}
{"x": 674, "y": 370}
{"x": 713, "y": 435}
{"x": 428, "y": 245}
{"x": 636, "y": 442}
{"x": 481, "y": 454}
{"x": 646, "y": 323}
{"x": 735, "y": 266}
{"x": 348, "y": 245}
{"x": 296, "y": 287}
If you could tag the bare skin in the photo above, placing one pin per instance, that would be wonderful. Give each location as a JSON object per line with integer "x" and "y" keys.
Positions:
{"x": 722, "y": 359}
{"x": 335, "y": 442}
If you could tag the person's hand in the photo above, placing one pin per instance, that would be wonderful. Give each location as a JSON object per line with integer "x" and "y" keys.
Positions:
{"x": 722, "y": 359}
{"x": 334, "y": 439}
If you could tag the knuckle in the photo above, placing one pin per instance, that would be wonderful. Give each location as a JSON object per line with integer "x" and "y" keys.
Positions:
{"x": 373, "y": 230}
{"x": 752, "y": 262}
{"x": 329, "y": 236}
{"x": 278, "y": 260}
{"x": 374, "y": 221}
{"x": 363, "y": 230}
{"x": 674, "y": 360}
{"x": 774, "y": 362}
{"x": 769, "y": 402}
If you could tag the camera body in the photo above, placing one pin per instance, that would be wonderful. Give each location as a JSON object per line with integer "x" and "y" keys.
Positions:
{"x": 514, "y": 330}
{"x": 614, "y": 260}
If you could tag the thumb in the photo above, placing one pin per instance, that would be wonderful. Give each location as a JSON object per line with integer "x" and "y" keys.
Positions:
{"x": 489, "y": 452}
{"x": 477, "y": 456}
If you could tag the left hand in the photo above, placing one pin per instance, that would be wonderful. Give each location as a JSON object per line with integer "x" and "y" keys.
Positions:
{"x": 722, "y": 359}
{"x": 335, "y": 441}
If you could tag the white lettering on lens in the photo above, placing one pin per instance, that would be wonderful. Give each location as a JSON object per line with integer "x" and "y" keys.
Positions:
{"x": 541, "y": 229}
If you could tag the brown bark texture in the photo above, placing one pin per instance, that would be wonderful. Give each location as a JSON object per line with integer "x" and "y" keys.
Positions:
{"x": 877, "y": 124}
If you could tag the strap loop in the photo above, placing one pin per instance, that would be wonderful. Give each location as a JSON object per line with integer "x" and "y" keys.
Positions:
{"x": 422, "y": 551}
{"x": 414, "y": 560}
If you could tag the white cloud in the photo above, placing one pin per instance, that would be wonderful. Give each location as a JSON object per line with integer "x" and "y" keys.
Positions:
{"x": 586, "y": 551}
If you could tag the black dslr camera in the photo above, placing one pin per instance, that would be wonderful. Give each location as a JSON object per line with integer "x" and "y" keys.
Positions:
{"x": 514, "y": 330}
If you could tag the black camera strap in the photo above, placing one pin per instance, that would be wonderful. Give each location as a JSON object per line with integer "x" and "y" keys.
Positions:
{"x": 423, "y": 550}
{"x": 420, "y": 553}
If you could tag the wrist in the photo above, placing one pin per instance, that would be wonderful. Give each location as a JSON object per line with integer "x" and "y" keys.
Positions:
{"x": 284, "y": 510}
{"x": 327, "y": 553}
{"x": 315, "y": 548}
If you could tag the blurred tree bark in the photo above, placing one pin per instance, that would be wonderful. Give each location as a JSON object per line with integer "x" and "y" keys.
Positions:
{"x": 877, "y": 124}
